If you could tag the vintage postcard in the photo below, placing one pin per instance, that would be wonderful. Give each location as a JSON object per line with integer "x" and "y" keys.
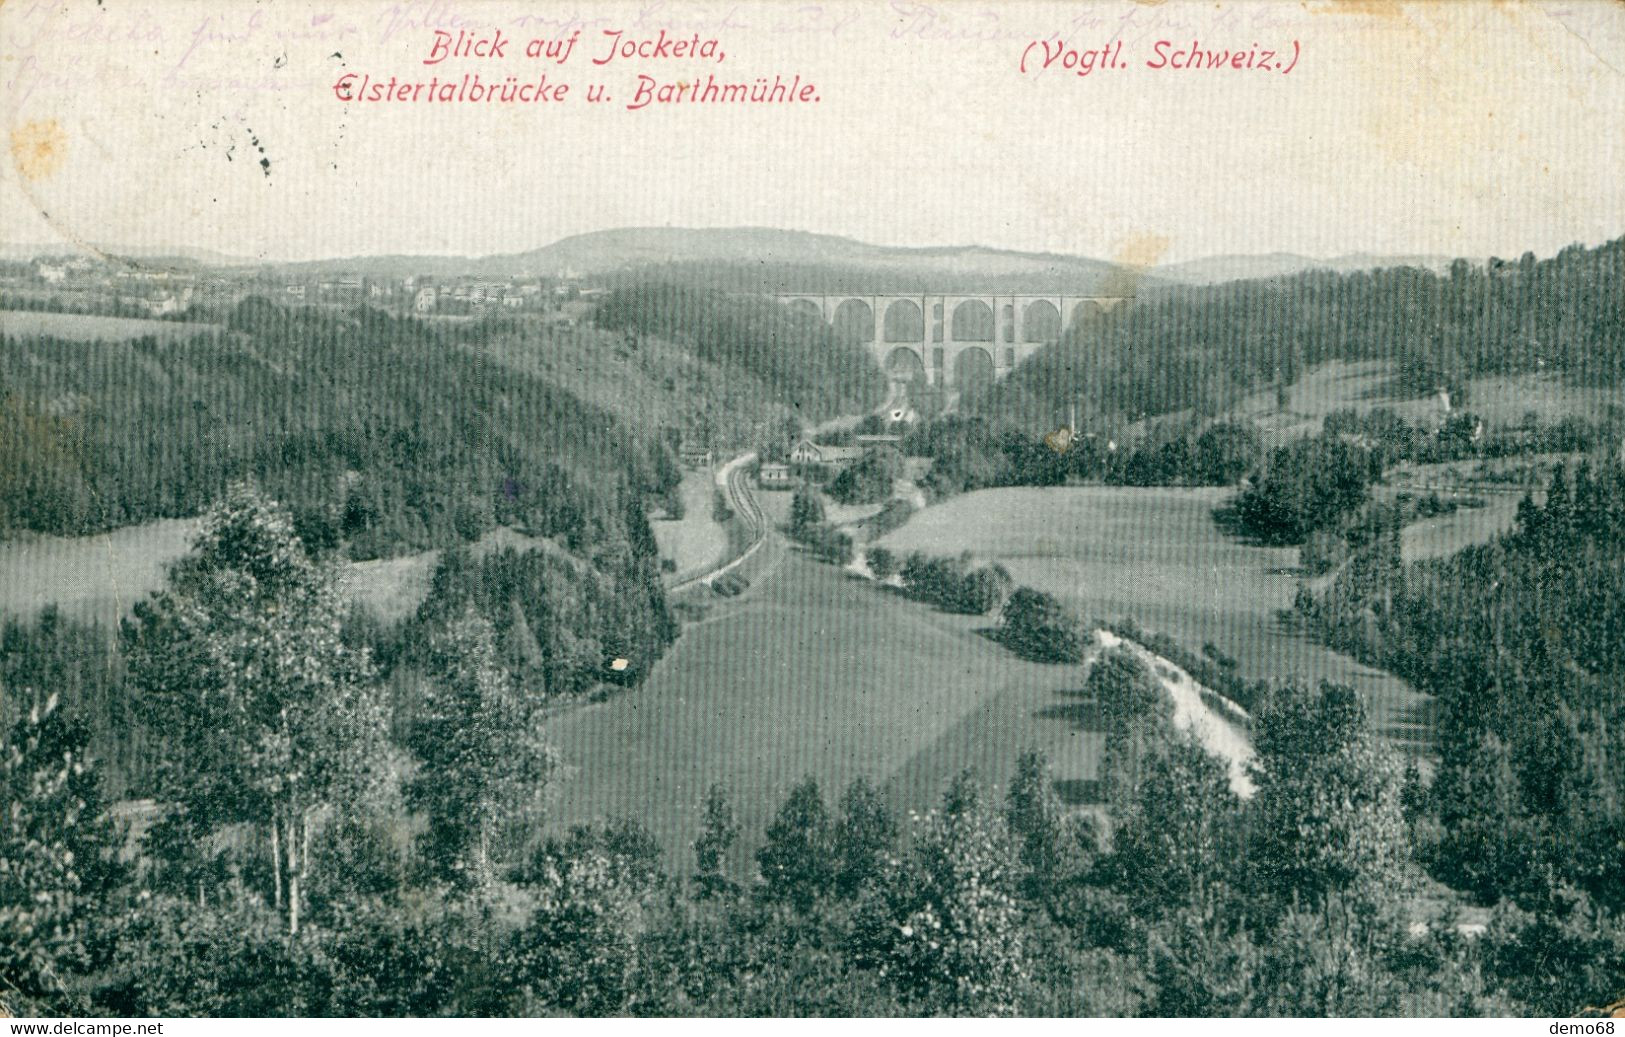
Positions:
{"x": 677, "y": 508}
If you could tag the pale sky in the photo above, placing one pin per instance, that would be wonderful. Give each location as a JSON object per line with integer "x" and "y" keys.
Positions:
{"x": 1461, "y": 129}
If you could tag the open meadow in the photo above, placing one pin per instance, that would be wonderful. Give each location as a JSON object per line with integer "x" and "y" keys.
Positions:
{"x": 816, "y": 672}
{"x": 694, "y": 542}
{"x": 81, "y": 327}
{"x": 1444, "y": 535}
{"x": 99, "y": 578}
{"x": 1154, "y": 556}
{"x": 94, "y": 579}
{"x": 1365, "y": 385}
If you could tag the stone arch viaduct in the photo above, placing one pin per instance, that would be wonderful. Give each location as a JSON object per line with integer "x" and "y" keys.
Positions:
{"x": 951, "y": 340}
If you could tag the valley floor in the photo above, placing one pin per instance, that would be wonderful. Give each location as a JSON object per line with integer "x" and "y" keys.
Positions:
{"x": 695, "y": 542}
{"x": 817, "y": 672}
{"x": 1154, "y": 556}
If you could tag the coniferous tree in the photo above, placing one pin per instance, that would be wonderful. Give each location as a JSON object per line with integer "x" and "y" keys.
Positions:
{"x": 719, "y": 828}
{"x": 1137, "y": 714}
{"x": 798, "y": 861}
{"x": 1051, "y": 845}
{"x": 806, "y": 510}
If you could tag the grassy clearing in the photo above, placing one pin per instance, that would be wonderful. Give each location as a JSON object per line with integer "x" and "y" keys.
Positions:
{"x": 1506, "y": 399}
{"x": 1500, "y": 483}
{"x": 1333, "y": 386}
{"x": 816, "y": 672}
{"x": 100, "y": 578}
{"x": 1154, "y": 556}
{"x": 392, "y": 588}
{"x": 695, "y": 541}
{"x": 1339, "y": 385}
{"x": 1446, "y": 534}
{"x": 1368, "y": 384}
{"x": 94, "y": 578}
{"x": 849, "y": 514}
{"x": 87, "y": 328}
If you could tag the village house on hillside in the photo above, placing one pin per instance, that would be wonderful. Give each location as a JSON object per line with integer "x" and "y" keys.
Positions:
{"x": 773, "y": 476}
{"x": 808, "y": 452}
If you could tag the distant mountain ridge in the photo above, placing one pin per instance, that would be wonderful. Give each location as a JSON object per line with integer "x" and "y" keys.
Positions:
{"x": 773, "y": 259}
{"x": 770, "y": 259}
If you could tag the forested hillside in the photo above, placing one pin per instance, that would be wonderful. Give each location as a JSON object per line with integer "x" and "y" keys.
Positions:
{"x": 1520, "y": 640}
{"x": 376, "y": 431}
{"x": 809, "y": 367}
{"x": 644, "y": 381}
{"x": 382, "y": 437}
{"x": 925, "y": 271}
{"x": 1203, "y": 348}
{"x": 385, "y": 436}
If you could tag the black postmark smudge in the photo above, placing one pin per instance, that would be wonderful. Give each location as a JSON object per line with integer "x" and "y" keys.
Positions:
{"x": 265, "y": 161}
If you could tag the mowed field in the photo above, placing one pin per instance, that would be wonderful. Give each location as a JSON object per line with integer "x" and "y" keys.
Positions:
{"x": 1444, "y": 535}
{"x": 1368, "y": 384}
{"x": 100, "y": 578}
{"x": 88, "y": 328}
{"x": 816, "y": 672}
{"x": 1154, "y": 556}
{"x": 93, "y": 578}
{"x": 695, "y": 541}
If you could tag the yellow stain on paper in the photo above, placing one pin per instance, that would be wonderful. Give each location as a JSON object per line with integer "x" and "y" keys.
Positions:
{"x": 38, "y": 148}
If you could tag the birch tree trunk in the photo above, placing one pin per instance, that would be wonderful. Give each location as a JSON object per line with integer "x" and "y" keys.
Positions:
{"x": 276, "y": 862}
{"x": 485, "y": 852}
{"x": 293, "y": 879}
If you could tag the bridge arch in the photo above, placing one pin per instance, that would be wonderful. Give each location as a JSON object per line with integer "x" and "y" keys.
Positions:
{"x": 854, "y": 321}
{"x": 904, "y": 364}
{"x": 1040, "y": 322}
{"x": 973, "y": 369}
{"x": 904, "y": 322}
{"x": 973, "y": 322}
{"x": 808, "y": 307}
{"x": 1087, "y": 312}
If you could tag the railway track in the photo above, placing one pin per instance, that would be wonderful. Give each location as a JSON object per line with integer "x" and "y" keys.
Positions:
{"x": 732, "y": 479}
{"x": 734, "y": 482}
